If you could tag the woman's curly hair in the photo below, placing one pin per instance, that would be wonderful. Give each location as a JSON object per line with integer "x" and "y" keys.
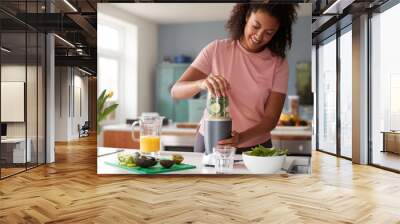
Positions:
{"x": 285, "y": 13}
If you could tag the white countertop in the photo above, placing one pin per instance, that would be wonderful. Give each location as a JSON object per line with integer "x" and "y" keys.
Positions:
{"x": 171, "y": 128}
{"x": 110, "y": 155}
{"x": 13, "y": 140}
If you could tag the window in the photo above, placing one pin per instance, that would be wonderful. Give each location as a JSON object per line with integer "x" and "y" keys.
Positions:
{"x": 346, "y": 93}
{"x": 327, "y": 96}
{"x": 385, "y": 87}
{"x": 109, "y": 38}
{"x": 117, "y": 64}
{"x": 108, "y": 71}
{"x": 22, "y": 76}
{"x": 109, "y": 58}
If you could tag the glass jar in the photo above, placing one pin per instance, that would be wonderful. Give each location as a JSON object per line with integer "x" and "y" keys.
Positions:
{"x": 218, "y": 107}
{"x": 150, "y": 134}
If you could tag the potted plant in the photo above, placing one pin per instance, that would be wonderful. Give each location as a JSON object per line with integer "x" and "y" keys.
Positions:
{"x": 102, "y": 111}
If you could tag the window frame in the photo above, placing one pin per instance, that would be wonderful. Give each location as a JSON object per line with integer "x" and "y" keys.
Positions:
{"x": 120, "y": 58}
{"x": 327, "y": 38}
{"x": 371, "y": 13}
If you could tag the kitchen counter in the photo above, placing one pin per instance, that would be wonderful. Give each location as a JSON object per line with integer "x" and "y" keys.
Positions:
{"x": 166, "y": 129}
{"x": 173, "y": 129}
{"x": 293, "y": 164}
{"x": 296, "y": 139}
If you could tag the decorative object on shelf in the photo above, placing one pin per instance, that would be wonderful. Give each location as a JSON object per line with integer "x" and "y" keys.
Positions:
{"x": 294, "y": 105}
{"x": 182, "y": 59}
{"x": 303, "y": 80}
{"x": 102, "y": 112}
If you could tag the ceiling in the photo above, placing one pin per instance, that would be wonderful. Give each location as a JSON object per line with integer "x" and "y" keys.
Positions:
{"x": 78, "y": 24}
{"x": 168, "y": 13}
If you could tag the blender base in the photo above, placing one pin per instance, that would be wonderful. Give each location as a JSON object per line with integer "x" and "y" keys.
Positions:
{"x": 208, "y": 160}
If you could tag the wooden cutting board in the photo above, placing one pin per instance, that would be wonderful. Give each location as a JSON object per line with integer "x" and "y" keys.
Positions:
{"x": 187, "y": 125}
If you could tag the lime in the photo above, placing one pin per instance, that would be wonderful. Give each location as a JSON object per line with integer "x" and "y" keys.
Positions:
{"x": 129, "y": 159}
{"x": 121, "y": 158}
{"x": 215, "y": 108}
{"x": 130, "y": 164}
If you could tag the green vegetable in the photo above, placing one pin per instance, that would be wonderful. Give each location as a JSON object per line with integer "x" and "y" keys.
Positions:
{"x": 129, "y": 159}
{"x": 121, "y": 158}
{"x": 126, "y": 160}
{"x": 265, "y": 152}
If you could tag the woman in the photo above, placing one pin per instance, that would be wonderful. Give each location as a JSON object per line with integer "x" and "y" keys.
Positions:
{"x": 250, "y": 68}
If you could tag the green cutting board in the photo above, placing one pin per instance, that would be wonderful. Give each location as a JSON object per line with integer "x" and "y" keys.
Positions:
{"x": 154, "y": 169}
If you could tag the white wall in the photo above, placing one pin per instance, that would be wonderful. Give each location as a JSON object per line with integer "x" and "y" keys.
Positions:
{"x": 17, "y": 73}
{"x": 67, "y": 80}
{"x": 61, "y": 103}
{"x": 147, "y": 49}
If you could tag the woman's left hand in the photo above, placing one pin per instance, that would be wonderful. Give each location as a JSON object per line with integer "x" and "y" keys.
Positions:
{"x": 233, "y": 141}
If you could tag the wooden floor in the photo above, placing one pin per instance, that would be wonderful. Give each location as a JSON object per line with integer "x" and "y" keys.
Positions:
{"x": 69, "y": 191}
{"x": 10, "y": 171}
{"x": 386, "y": 159}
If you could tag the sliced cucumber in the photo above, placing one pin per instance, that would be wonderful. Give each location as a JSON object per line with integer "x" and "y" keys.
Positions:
{"x": 215, "y": 108}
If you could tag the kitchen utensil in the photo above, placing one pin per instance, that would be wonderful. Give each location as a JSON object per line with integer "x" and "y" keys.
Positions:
{"x": 224, "y": 158}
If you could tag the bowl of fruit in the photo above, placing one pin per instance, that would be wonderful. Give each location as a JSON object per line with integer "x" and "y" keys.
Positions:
{"x": 262, "y": 160}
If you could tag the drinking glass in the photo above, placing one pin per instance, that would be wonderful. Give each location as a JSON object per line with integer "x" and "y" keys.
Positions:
{"x": 224, "y": 158}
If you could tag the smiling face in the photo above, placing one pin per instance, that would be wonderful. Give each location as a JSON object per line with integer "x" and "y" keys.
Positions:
{"x": 259, "y": 30}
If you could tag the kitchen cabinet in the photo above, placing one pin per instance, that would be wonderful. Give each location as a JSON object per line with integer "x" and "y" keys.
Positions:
{"x": 294, "y": 147}
{"x": 296, "y": 140}
{"x": 167, "y": 75}
{"x": 196, "y": 109}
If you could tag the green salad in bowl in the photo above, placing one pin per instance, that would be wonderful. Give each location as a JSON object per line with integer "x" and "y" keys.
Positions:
{"x": 264, "y": 151}
{"x": 263, "y": 160}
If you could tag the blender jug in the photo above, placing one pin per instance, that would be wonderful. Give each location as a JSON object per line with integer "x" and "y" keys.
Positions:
{"x": 217, "y": 125}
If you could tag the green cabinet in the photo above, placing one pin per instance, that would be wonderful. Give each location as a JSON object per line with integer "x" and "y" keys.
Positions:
{"x": 167, "y": 75}
{"x": 196, "y": 109}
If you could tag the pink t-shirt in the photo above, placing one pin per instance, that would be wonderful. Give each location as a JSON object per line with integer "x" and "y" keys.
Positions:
{"x": 252, "y": 76}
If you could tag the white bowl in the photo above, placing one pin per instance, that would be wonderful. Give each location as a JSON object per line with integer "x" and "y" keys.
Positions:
{"x": 263, "y": 165}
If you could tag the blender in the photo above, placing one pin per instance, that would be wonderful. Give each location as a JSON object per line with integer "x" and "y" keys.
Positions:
{"x": 217, "y": 126}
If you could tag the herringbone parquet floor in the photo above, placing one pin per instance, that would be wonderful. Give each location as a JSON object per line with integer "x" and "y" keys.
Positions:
{"x": 69, "y": 191}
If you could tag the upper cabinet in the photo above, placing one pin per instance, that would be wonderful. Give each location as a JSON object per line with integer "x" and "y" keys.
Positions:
{"x": 167, "y": 75}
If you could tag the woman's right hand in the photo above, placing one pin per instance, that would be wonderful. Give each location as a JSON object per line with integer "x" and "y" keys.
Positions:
{"x": 217, "y": 85}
